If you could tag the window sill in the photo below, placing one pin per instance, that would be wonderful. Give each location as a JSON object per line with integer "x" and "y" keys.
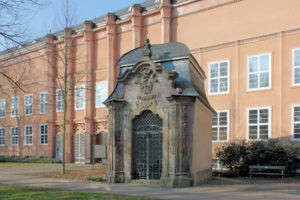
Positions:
{"x": 258, "y": 90}
{"x": 220, "y": 141}
{"x": 79, "y": 109}
{"x": 295, "y": 85}
{"x": 217, "y": 94}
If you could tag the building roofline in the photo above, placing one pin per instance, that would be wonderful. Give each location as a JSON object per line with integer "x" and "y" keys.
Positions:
{"x": 122, "y": 14}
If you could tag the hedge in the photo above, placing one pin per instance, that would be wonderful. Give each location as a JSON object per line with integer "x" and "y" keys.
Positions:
{"x": 239, "y": 155}
{"x": 26, "y": 160}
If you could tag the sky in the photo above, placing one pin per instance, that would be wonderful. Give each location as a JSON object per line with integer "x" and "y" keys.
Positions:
{"x": 48, "y": 17}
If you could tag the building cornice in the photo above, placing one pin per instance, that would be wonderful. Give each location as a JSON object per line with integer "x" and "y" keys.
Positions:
{"x": 245, "y": 41}
{"x": 123, "y": 16}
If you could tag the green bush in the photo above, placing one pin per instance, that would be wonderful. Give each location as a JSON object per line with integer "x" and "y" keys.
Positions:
{"x": 26, "y": 160}
{"x": 238, "y": 156}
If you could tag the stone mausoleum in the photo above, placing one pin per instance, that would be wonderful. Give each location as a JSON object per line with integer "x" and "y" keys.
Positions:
{"x": 159, "y": 118}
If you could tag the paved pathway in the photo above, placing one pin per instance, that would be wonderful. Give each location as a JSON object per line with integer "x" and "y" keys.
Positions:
{"x": 234, "y": 190}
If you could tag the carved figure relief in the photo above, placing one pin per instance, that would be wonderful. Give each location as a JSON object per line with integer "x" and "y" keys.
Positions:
{"x": 145, "y": 80}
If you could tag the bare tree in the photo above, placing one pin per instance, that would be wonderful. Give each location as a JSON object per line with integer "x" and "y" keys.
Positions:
{"x": 13, "y": 27}
{"x": 64, "y": 80}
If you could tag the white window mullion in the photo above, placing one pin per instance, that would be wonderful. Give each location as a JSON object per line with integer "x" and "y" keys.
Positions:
{"x": 216, "y": 76}
{"x": 221, "y": 128}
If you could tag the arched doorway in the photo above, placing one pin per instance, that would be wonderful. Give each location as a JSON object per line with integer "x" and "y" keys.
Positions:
{"x": 147, "y": 146}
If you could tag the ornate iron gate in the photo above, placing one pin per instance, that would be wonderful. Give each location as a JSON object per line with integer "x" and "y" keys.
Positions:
{"x": 147, "y": 146}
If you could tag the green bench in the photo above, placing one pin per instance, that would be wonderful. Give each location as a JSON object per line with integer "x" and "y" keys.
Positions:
{"x": 267, "y": 170}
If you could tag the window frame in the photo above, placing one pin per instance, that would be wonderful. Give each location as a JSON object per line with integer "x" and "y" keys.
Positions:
{"x": 293, "y": 122}
{"x": 11, "y": 110}
{"x": 45, "y": 125}
{"x": 3, "y": 136}
{"x": 42, "y": 102}
{"x": 218, "y": 126}
{"x": 270, "y": 72}
{"x": 99, "y": 105}
{"x": 11, "y": 136}
{"x": 294, "y": 67}
{"x": 25, "y": 135}
{"x": 4, "y": 108}
{"x": 62, "y": 100}
{"x": 269, "y": 123}
{"x": 25, "y": 105}
{"x": 77, "y": 98}
{"x": 228, "y": 77}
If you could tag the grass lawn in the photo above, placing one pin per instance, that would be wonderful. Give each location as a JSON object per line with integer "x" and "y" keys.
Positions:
{"x": 14, "y": 192}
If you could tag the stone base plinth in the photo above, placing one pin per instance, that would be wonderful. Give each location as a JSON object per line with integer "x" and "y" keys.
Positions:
{"x": 177, "y": 181}
{"x": 115, "y": 177}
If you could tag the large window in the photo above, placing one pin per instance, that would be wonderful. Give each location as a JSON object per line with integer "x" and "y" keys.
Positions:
{"x": 2, "y": 108}
{"x": 14, "y": 136}
{"x": 43, "y": 102}
{"x": 219, "y": 77}
{"x": 296, "y": 122}
{"x": 28, "y": 135}
{"x": 296, "y": 66}
{"x": 43, "y": 134}
{"x": 258, "y": 123}
{"x": 259, "y": 72}
{"x": 59, "y": 100}
{"x": 28, "y": 104}
{"x": 101, "y": 93}
{"x": 80, "y": 97}
{"x": 14, "y": 106}
{"x": 2, "y": 136}
{"x": 220, "y": 126}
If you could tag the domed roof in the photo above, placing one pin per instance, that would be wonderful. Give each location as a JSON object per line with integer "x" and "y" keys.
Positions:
{"x": 159, "y": 52}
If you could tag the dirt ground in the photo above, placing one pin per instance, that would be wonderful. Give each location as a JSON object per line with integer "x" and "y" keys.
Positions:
{"x": 96, "y": 174}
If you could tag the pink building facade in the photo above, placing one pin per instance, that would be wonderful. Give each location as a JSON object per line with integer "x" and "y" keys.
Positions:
{"x": 249, "y": 50}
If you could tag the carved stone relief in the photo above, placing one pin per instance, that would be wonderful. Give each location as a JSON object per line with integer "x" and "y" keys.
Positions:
{"x": 79, "y": 128}
{"x": 58, "y": 129}
{"x": 145, "y": 79}
{"x": 101, "y": 126}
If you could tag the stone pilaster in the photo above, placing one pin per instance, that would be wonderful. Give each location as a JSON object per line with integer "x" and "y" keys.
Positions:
{"x": 116, "y": 165}
{"x": 90, "y": 88}
{"x": 70, "y": 96}
{"x": 111, "y": 47}
{"x": 136, "y": 21}
{"x": 180, "y": 173}
{"x": 51, "y": 65}
{"x": 166, "y": 20}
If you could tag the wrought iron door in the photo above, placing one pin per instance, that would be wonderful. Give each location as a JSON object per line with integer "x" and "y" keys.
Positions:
{"x": 147, "y": 146}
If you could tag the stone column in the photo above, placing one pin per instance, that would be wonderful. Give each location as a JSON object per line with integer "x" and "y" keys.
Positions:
{"x": 111, "y": 47}
{"x": 51, "y": 102}
{"x": 182, "y": 133}
{"x": 90, "y": 89}
{"x": 166, "y": 19}
{"x": 70, "y": 96}
{"x": 115, "y": 129}
{"x": 137, "y": 25}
